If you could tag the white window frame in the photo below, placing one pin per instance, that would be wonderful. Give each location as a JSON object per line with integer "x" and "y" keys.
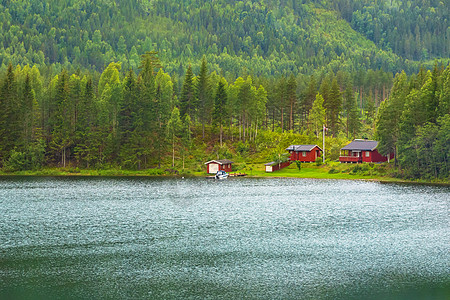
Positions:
{"x": 304, "y": 153}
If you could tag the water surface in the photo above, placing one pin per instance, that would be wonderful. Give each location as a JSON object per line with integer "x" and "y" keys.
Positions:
{"x": 153, "y": 238}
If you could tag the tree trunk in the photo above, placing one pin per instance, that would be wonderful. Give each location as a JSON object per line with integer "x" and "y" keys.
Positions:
{"x": 203, "y": 130}
{"x": 221, "y": 135}
{"x": 173, "y": 152}
{"x": 273, "y": 120}
{"x": 291, "y": 120}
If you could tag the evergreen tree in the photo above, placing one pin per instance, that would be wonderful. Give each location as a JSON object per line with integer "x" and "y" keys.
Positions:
{"x": 28, "y": 103}
{"x": 387, "y": 126}
{"x": 292, "y": 99}
{"x": 220, "y": 108}
{"x": 187, "y": 99}
{"x": 9, "y": 122}
{"x": 333, "y": 107}
{"x": 203, "y": 95}
{"x": 174, "y": 128}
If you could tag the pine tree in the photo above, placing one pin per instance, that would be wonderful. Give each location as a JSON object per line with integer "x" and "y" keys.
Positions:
{"x": 9, "y": 126}
{"x": 28, "y": 102}
{"x": 333, "y": 107}
{"x": 187, "y": 99}
{"x": 203, "y": 95}
{"x": 220, "y": 108}
{"x": 174, "y": 128}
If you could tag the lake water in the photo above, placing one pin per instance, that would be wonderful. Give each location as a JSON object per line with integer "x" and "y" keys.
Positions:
{"x": 242, "y": 238}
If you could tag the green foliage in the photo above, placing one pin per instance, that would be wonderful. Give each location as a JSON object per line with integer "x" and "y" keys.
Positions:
{"x": 271, "y": 38}
{"x": 319, "y": 161}
{"x": 32, "y": 158}
{"x": 333, "y": 171}
{"x": 298, "y": 164}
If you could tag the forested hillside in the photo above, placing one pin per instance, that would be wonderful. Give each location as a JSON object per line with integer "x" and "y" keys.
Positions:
{"x": 150, "y": 84}
{"x": 262, "y": 38}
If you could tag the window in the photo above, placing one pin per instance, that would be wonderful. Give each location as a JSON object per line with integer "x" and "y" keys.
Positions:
{"x": 304, "y": 153}
{"x": 367, "y": 153}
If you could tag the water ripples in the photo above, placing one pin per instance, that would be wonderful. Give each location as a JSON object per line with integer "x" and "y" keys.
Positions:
{"x": 239, "y": 238}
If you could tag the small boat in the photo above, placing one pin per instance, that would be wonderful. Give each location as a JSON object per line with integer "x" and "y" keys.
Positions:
{"x": 221, "y": 175}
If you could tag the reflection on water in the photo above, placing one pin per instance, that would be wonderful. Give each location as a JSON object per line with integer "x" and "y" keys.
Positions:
{"x": 239, "y": 238}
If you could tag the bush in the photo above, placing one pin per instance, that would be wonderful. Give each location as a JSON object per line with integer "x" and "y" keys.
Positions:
{"x": 299, "y": 164}
{"x": 333, "y": 171}
{"x": 319, "y": 161}
{"x": 31, "y": 158}
{"x": 242, "y": 148}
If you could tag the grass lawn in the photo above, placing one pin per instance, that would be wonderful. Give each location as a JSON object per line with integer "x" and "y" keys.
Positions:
{"x": 310, "y": 171}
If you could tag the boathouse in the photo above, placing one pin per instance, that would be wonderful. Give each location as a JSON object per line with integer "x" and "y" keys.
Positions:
{"x": 304, "y": 153}
{"x": 275, "y": 166}
{"x": 213, "y": 166}
{"x": 359, "y": 151}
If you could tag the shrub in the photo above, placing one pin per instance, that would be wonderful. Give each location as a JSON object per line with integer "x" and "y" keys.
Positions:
{"x": 333, "y": 171}
{"x": 319, "y": 161}
{"x": 299, "y": 164}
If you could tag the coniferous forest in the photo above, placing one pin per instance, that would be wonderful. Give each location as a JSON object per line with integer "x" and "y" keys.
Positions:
{"x": 160, "y": 84}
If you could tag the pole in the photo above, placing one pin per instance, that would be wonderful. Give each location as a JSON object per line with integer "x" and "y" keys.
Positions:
{"x": 323, "y": 133}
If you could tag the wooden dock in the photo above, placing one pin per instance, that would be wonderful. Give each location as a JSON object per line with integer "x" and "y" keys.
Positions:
{"x": 229, "y": 175}
{"x": 237, "y": 174}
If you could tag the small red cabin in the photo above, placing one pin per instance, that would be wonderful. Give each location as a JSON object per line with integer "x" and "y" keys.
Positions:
{"x": 304, "y": 153}
{"x": 274, "y": 166}
{"x": 360, "y": 151}
{"x": 213, "y": 166}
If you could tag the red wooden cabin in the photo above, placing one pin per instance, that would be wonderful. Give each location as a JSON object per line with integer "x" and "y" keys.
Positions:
{"x": 213, "y": 166}
{"x": 274, "y": 166}
{"x": 304, "y": 153}
{"x": 360, "y": 151}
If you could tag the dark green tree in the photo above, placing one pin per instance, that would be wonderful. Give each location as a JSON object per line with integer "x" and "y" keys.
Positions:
{"x": 220, "y": 109}
{"x": 187, "y": 98}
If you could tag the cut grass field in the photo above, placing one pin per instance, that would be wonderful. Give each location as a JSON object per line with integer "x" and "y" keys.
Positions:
{"x": 313, "y": 171}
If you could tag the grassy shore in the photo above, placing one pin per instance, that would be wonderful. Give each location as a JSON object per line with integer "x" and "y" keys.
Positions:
{"x": 331, "y": 170}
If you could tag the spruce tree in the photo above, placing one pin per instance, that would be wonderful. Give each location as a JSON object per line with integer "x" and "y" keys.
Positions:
{"x": 9, "y": 122}
{"x": 187, "y": 99}
{"x": 203, "y": 95}
{"x": 333, "y": 106}
{"x": 220, "y": 109}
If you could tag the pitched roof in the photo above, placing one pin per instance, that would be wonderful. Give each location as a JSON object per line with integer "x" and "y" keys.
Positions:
{"x": 301, "y": 147}
{"x": 361, "y": 145}
{"x": 220, "y": 162}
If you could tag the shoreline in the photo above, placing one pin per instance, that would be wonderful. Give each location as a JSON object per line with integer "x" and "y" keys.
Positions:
{"x": 127, "y": 173}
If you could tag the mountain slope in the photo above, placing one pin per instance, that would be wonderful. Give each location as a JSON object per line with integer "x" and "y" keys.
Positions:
{"x": 266, "y": 38}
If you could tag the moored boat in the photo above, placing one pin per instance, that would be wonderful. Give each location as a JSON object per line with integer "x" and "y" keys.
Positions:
{"x": 221, "y": 175}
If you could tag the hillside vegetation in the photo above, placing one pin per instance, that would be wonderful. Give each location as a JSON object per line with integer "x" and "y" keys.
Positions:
{"x": 170, "y": 84}
{"x": 265, "y": 38}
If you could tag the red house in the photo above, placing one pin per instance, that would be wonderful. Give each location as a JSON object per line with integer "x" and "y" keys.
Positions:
{"x": 304, "y": 153}
{"x": 213, "y": 166}
{"x": 360, "y": 151}
{"x": 274, "y": 166}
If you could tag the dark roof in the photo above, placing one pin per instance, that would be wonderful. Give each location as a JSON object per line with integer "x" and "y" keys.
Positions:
{"x": 361, "y": 145}
{"x": 220, "y": 162}
{"x": 270, "y": 163}
{"x": 301, "y": 147}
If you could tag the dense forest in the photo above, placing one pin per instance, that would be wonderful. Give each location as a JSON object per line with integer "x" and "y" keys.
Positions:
{"x": 157, "y": 84}
{"x": 260, "y": 38}
{"x": 124, "y": 120}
